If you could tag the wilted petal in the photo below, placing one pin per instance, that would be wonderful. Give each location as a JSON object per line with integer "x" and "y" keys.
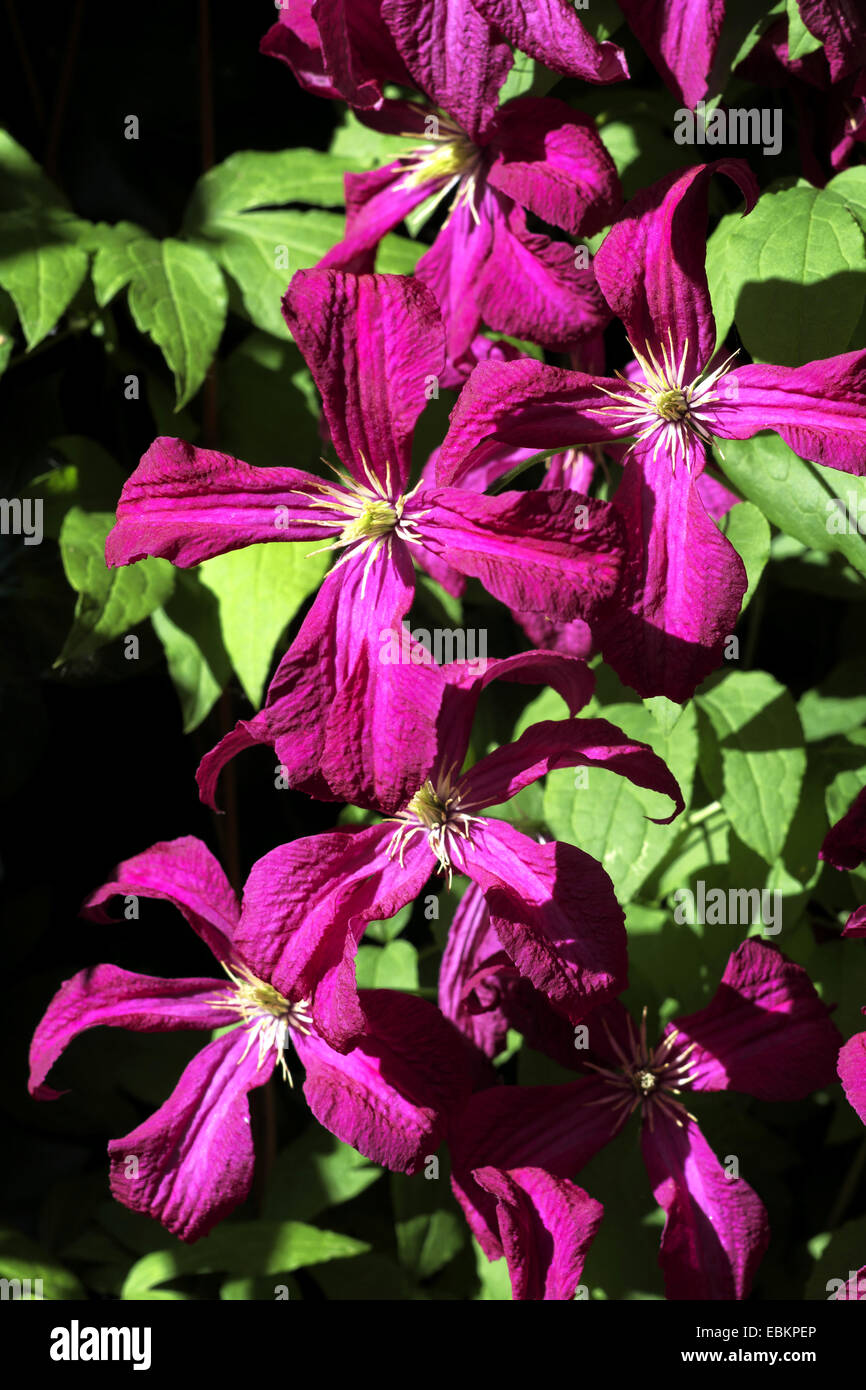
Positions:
{"x": 371, "y": 343}
{"x": 184, "y": 873}
{"x": 194, "y": 1156}
{"x": 716, "y": 1230}
{"x": 105, "y": 996}
{"x": 765, "y": 1031}
{"x": 549, "y": 159}
{"x": 546, "y": 1226}
{"x": 550, "y": 31}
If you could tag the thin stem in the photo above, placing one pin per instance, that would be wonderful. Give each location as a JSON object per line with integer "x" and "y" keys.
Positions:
{"x": 848, "y": 1188}
{"x": 26, "y": 65}
{"x": 63, "y": 87}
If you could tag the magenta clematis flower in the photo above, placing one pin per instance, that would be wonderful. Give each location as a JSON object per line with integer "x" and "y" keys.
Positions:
{"x": 765, "y": 1032}
{"x": 530, "y": 155}
{"x": 845, "y": 847}
{"x": 551, "y": 906}
{"x": 387, "y": 1094}
{"x": 373, "y": 344}
{"x": 685, "y": 582}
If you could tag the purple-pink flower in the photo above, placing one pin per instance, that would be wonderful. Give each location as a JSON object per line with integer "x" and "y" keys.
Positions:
{"x": 191, "y": 1163}
{"x": 494, "y": 165}
{"x": 374, "y": 345}
{"x": 684, "y": 580}
{"x": 765, "y": 1032}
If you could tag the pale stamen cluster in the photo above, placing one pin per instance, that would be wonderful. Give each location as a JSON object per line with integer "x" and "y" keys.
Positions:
{"x": 664, "y": 405}
{"x": 268, "y": 1016}
{"x": 373, "y": 514}
{"x": 650, "y": 1077}
{"x": 436, "y": 811}
{"x": 449, "y": 156}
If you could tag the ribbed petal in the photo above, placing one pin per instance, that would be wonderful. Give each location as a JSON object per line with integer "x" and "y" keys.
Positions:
{"x": 371, "y": 343}
{"x": 716, "y": 1230}
{"x": 105, "y": 996}
{"x": 549, "y": 158}
{"x": 554, "y": 910}
{"x": 852, "y": 1072}
{"x": 550, "y": 31}
{"x": 189, "y": 504}
{"x": 765, "y": 1031}
{"x": 184, "y": 873}
{"x": 194, "y": 1156}
{"x": 546, "y": 1226}
{"x": 680, "y": 39}
{"x": 306, "y": 906}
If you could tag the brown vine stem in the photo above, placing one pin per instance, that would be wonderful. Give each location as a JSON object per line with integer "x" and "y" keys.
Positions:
{"x": 63, "y": 86}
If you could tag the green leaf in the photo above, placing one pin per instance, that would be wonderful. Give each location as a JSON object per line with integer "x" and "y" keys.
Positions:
{"x": 41, "y": 267}
{"x": 260, "y": 178}
{"x": 370, "y": 148}
{"x": 837, "y": 705}
{"x": 493, "y": 1277}
{"x": 268, "y": 407}
{"x": 110, "y": 601}
{"x": 22, "y": 182}
{"x": 794, "y": 270}
{"x": 8, "y": 320}
{"x": 189, "y": 629}
{"x": 842, "y": 1255}
{"x": 800, "y": 497}
{"x": 270, "y": 580}
{"x": 262, "y": 250}
{"x": 606, "y": 816}
{"x": 242, "y": 1248}
{"x": 756, "y": 769}
{"x": 388, "y": 930}
{"x": 113, "y": 266}
{"x": 314, "y": 1173}
{"x": 749, "y": 534}
{"x": 178, "y": 297}
{"x": 429, "y": 1229}
{"x": 800, "y": 41}
{"x": 392, "y": 966}
{"x": 22, "y": 1259}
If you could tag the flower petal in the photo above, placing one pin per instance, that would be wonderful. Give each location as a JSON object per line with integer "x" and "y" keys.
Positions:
{"x": 852, "y": 1072}
{"x": 555, "y": 553}
{"x": 189, "y": 504}
{"x": 371, "y": 343}
{"x": 106, "y": 996}
{"x": 680, "y": 39}
{"x": 184, "y": 873}
{"x": 684, "y": 586}
{"x": 454, "y": 57}
{"x": 194, "y": 1156}
{"x": 845, "y": 842}
{"x": 553, "y": 743}
{"x": 716, "y": 1230}
{"x": 819, "y": 409}
{"x": 765, "y": 1031}
{"x": 554, "y": 910}
{"x": 550, "y": 159}
{"x": 651, "y": 265}
{"x": 550, "y": 31}
{"x": 376, "y": 202}
{"x": 390, "y": 1095}
{"x": 546, "y": 1226}
{"x": 306, "y": 906}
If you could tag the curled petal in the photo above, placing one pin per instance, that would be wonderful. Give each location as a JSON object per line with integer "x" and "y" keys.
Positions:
{"x": 546, "y": 1226}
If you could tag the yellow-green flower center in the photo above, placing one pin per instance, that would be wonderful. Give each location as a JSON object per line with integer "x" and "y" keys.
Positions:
{"x": 441, "y": 162}
{"x": 266, "y": 1013}
{"x": 672, "y": 404}
{"x": 377, "y": 518}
